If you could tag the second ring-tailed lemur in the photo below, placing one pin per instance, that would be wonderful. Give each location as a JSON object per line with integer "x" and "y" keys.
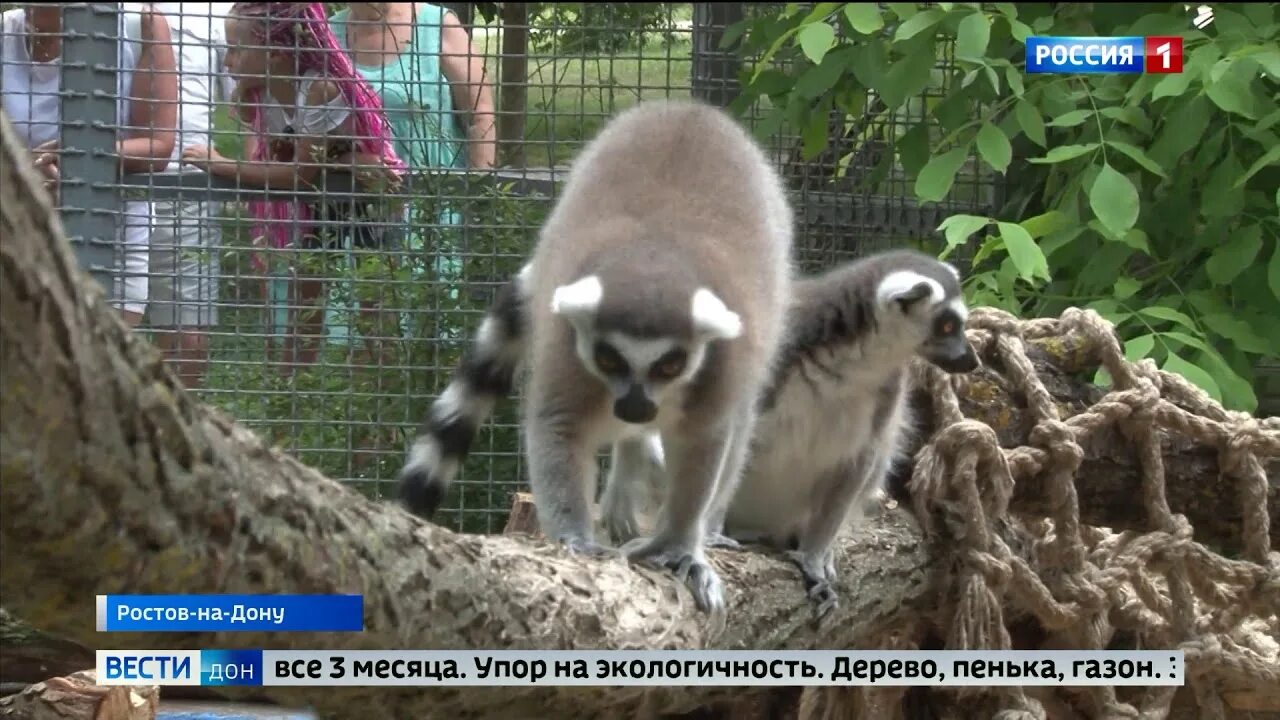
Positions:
{"x": 655, "y": 305}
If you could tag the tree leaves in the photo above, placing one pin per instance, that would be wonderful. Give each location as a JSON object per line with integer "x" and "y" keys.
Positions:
{"x": 1063, "y": 153}
{"x": 1273, "y": 269}
{"x": 1114, "y": 200}
{"x": 864, "y": 17}
{"x": 972, "y": 36}
{"x": 918, "y": 23}
{"x": 1194, "y": 374}
{"x": 1231, "y": 90}
{"x": 1023, "y": 251}
{"x": 1071, "y": 119}
{"x": 1029, "y": 120}
{"x": 815, "y": 40}
{"x": 1231, "y": 259}
{"x": 939, "y": 174}
{"x": 1271, "y": 157}
{"x": 958, "y": 229}
{"x": 994, "y": 147}
{"x": 1139, "y": 156}
{"x": 1149, "y": 183}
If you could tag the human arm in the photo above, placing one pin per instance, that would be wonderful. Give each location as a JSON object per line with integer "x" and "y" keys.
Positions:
{"x": 463, "y": 66}
{"x": 153, "y": 110}
{"x": 326, "y": 113}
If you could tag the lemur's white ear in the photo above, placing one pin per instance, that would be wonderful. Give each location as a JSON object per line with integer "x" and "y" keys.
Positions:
{"x": 906, "y": 288}
{"x": 577, "y": 300}
{"x": 712, "y": 317}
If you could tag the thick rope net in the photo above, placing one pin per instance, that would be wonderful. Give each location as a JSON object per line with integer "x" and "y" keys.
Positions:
{"x": 1085, "y": 584}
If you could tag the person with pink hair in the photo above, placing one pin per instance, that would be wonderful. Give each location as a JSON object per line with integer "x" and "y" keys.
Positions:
{"x": 310, "y": 112}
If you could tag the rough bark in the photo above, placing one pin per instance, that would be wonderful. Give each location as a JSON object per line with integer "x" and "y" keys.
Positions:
{"x": 79, "y": 697}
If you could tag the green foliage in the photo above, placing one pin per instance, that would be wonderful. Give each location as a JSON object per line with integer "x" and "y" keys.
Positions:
{"x": 576, "y": 28}
{"x": 1149, "y": 198}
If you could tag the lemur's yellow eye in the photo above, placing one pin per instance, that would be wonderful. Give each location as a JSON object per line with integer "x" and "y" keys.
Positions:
{"x": 949, "y": 327}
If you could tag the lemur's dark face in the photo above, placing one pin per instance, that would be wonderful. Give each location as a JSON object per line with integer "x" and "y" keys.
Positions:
{"x": 946, "y": 346}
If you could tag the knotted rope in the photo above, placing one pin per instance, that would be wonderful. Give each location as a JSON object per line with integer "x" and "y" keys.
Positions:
{"x": 1083, "y": 583}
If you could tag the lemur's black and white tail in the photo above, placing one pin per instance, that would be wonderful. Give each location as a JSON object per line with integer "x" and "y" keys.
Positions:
{"x": 485, "y": 375}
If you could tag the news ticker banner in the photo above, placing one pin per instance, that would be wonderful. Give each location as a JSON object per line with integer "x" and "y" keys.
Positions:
{"x": 1095, "y": 55}
{"x": 557, "y": 668}
{"x": 230, "y": 613}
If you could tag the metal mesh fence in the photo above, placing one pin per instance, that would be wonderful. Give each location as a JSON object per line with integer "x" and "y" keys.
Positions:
{"x": 269, "y": 258}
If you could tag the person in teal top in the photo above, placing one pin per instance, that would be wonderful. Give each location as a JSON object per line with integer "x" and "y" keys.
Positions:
{"x": 431, "y": 80}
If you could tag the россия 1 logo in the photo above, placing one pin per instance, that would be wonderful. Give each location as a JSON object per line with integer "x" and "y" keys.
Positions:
{"x": 1071, "y": 55}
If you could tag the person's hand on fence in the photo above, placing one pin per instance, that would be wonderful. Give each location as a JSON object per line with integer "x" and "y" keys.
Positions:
{"x": 370, "y": 171}
{"x": 44, "y": 157}
{"x": 201, "y": 156}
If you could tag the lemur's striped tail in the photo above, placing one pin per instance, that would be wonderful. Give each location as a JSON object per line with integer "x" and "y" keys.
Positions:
{"x": 485, "y": 375}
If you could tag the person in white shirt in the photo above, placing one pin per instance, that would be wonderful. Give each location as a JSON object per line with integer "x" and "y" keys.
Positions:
{"x": 146, "y": 115}
{"x": 186, "y": 235}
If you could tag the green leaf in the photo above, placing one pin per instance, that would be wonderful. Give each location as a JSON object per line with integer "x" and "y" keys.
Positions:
{"x": 815, "y": 135}
{"x": 1046, "y": 223}
{"x": 1020, "y": 30}
{"x": 1139, "y": 156}
{"x": 913, "y": 149}
{"x": 864, "y": 17}
{"x": 994, "y": 147}
{"x": 1273, "y": 269}
{"x": 1160, "y": 312}
{"x": 1231, "y": 259}
{"x": 1271, "y": 157}
{"x": 815, "y": 40}
{"x": 904, "y": 11}
{"x": 1237, "y": 393}
{"x": 1014, "y": 78}
{"x": 1125, "y": 288}
{"x": 1114, "y": 200}
{"x": 939, "y": 174}
{"x": 1231, "y": 91}
{"x": 908, "y": 77}
{"x": 918, "y": 23}
{"x": 1023, "y": 251}
{"x": 820, "y": 78}
{"x": 1219, "y": 199}
{"x": 1269, "y": 59}
{"x": 1029, "y": 120}
{"x": 1063, "y": 153}
{"x": 958, "y": 228}
{"x": 1238, "y": 331}
{"x": 1130, "y": 115}
{"x": 1071, "y": 119}
{"x": 1193, "y": 374}
{"x": 1139, "y": 347}
{"x": 1172, "y": 85}
{"x": 972, "y": 36}
{"x": 1137, "y": 239}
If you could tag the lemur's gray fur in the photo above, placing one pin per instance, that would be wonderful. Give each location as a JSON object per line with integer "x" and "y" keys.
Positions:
{"x": 655, "y": 304}
{"x": 833, "y": 417}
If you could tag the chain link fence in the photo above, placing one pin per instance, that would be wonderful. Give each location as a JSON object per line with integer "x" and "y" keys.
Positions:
{"x": 300, "y": 292}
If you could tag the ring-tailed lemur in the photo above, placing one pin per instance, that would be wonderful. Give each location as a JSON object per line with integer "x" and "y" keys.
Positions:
{"x": 655, "y": 304}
